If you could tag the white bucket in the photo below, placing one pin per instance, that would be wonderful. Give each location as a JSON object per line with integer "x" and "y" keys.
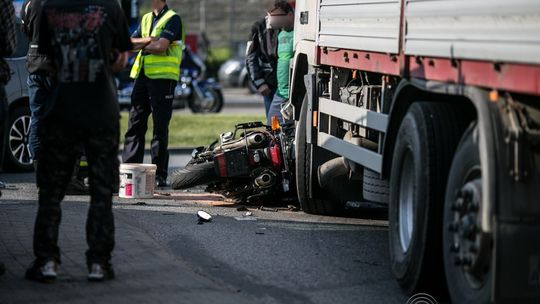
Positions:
{"x": 137, "y": 180}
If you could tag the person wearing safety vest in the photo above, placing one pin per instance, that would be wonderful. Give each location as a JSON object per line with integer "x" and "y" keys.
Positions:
{"x": 156, "y": 72}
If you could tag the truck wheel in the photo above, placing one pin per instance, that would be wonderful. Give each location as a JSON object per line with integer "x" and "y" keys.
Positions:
{"x": 304, "y": 179}
{"x": 374, "y": 188}
{"x": 466, "y": 250}
{"x": 425, "y": 144}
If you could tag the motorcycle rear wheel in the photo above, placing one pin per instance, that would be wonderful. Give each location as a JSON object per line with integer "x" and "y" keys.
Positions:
{"x": 192, "y": 175}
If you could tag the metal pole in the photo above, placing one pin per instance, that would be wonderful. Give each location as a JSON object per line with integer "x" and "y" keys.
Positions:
{"x": 202, "y": 16}
{"x": 232, "y": 22}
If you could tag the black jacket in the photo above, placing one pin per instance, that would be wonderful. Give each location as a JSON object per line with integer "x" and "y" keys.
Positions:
{"x": 261, "y": 55}
{"x": 36, "y": 63}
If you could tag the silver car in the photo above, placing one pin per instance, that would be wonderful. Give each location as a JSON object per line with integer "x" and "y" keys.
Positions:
{"x": 17, "y": 154}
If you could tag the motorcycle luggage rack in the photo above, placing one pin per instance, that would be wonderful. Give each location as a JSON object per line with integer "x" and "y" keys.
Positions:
{"x": 248, "y": 125}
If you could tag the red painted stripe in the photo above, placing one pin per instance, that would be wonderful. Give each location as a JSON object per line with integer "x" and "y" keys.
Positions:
{"x": 517, "y": 78}
{"x": 360, "y": 60}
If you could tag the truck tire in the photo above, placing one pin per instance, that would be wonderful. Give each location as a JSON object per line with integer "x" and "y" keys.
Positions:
{"x": 374, "y": 188}
{"x": 424, "y": 147}
{"x": 467, "y": 257}
{"x": 305, "y": 184}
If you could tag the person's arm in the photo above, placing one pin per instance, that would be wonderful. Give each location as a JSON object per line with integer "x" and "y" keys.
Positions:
{"x": 252, "y": 62}
{"x": 122, "y": 44}
{"x": 171, "y": 32}
{"x": 137, "y": 40}
{"x": 26, "y": 18}
{"x": 140, "y": 43}
{"x": 157, "y": 46}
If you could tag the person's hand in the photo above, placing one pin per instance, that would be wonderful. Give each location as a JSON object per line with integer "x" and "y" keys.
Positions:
{"x": 120, "y": 61}
{"x": 264, "y": 90}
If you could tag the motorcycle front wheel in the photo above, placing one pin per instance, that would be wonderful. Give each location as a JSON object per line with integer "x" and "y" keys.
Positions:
{"x": 201, "y": 106}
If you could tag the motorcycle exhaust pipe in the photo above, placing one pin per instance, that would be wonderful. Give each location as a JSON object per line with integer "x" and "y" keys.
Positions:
{"x": 332, "y": 169}
{"x": 265, "y": 180}
{"x": 254, "y": 140}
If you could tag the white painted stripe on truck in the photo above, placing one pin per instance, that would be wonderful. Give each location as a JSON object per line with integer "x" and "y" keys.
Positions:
{"x": 360, "y": 116}
{"x": 359, "y": 155}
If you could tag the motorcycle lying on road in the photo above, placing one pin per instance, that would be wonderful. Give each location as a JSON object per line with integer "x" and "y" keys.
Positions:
{"x": 250, "y": 165}
{"x": 194, "y": 89}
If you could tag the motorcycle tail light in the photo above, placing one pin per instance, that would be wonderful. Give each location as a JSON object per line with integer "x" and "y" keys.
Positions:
{"x": 275, "y": 156}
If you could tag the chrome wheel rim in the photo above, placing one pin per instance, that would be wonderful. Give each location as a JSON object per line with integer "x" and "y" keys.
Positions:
{"x": 19, "y": 140}
{"x": 406, "y": 201}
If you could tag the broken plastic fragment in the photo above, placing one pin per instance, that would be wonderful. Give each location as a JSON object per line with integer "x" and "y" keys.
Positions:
{"x": 204, "y": 216}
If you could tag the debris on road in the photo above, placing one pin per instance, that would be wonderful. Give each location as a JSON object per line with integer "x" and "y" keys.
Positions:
{"x": 292, "y": 208}
{"x": 248, "y": 213}
{"x": 163, "y": 193}
{"x": 262, "y": 208}
{"x": 140, "y": 204}
{"x": 203, "y": 217}
{"x": 245, "y": 218}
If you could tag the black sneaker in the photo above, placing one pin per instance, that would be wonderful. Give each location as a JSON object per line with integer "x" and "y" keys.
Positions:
{"x": 98, "y": 272}
{"x": 42, "y": 271}
{"x": 161, "y": 182}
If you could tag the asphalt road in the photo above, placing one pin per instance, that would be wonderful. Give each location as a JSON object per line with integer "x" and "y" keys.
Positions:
{"x": 269, "y": 257}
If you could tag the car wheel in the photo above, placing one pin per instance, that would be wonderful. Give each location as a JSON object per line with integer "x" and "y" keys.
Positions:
{"x": 18, "y": 157}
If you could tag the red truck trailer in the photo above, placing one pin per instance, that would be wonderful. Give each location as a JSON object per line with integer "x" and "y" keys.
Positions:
{"x": 431, "y": 107}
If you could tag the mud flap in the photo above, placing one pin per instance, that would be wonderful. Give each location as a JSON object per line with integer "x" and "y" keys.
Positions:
{"x": 517, "y": 263}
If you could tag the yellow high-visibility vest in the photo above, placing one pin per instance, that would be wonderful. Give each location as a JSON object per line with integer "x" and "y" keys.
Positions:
{"x": 159, "y": 66}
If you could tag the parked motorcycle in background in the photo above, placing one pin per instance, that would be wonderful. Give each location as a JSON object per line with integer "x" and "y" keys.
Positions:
{"x": 200, "y": 94}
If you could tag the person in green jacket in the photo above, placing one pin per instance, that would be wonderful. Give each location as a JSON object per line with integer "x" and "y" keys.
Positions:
{"x": 282, "y": 16}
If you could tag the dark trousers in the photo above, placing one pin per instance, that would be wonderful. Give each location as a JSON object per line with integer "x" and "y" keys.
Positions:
{"x": 39, "y": 94}
{"x": 150, "y": 96}
{"x": 60, "y": 146}
{"x": 4, "y": 123}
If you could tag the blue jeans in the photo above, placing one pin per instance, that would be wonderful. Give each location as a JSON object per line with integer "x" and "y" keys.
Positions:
{"x": 275, "y": 109}
{"x": 39, "y": 93}
{"x": 267, "y": 102}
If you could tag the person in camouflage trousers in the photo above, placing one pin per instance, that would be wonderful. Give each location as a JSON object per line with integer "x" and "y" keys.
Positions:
{"x": 88, "y": 41}
{"x": 61, "y": 147}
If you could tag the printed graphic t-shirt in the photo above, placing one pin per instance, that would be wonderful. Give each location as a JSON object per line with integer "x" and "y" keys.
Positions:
{"x": 285, "y": 54}
{"x": 82, "y": 36}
